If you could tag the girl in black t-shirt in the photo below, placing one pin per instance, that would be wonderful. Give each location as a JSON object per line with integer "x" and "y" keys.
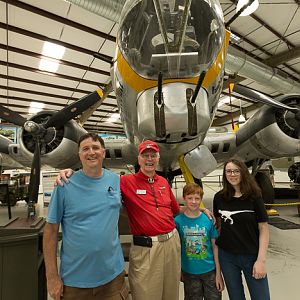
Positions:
{"x": 244, "y": 235}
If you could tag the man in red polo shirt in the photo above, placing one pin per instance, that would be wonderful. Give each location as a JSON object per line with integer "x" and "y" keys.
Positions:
{"x": 154, "y": 264}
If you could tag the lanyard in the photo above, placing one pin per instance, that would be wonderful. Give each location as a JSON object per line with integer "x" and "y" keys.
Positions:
{"x": 151, "y": 181}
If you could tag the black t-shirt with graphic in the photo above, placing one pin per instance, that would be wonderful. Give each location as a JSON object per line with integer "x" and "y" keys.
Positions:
{"x": 239, "y": 223}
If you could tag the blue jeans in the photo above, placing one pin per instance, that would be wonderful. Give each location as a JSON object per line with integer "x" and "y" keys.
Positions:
{"x": 232, "y": 266}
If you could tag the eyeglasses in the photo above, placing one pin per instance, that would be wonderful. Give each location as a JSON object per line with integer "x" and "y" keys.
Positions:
{"x": 149, "y": 155}
{"x": 234, "y": 172}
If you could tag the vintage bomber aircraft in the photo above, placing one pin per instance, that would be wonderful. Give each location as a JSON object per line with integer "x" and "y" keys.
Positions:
{"x": 168, "y": 75}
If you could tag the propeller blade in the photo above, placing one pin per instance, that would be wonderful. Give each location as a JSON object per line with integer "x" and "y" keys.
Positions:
{"x": 11, "y": 116}
{"x": 35, "y": 174}
{"x": 247, "y": 92}
{"x": 73, "y": 110}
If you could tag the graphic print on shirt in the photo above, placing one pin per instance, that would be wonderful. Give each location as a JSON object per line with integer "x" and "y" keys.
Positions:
{"x": 226, "y": 215}
{"x": 195, "y": 241}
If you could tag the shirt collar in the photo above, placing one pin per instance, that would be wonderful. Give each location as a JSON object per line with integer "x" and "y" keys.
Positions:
{"x": 141, "y": 175}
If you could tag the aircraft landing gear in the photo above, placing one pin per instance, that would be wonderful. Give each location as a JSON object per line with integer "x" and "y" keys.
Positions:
{"x": 268, "y": 194}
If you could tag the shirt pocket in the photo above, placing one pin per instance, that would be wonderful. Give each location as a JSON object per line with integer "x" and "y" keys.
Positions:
{"x": 114, "y": 198}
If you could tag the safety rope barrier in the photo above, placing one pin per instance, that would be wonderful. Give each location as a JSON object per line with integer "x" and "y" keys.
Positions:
{"x": 282, "y": 204}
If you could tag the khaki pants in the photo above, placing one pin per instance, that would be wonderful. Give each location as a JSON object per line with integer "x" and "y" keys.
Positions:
{"x": 154, "y": 273}
{"x": 117, "y": 289}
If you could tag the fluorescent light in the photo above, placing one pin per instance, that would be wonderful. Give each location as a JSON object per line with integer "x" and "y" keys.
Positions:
{"x": 35, "y": 107}
{"x": 113, "y": 118}
{"x": 53, "y": 50}
{"x": 48, "y": 65}
{"x": 250, "y": 9}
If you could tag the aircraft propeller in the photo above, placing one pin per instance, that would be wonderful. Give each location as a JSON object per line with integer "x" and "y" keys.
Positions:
{"x": 260, "y": 97}
{"x": 291, "y": 119}
{"x": 43, "y": 133}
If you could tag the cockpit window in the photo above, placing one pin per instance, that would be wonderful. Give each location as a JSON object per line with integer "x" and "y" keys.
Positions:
{"x": 180, "y": 38}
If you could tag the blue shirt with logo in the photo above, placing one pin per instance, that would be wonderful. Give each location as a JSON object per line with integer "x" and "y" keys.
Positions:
{"x": 196, "y": 249}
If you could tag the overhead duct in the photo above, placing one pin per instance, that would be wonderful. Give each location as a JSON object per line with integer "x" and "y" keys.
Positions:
{"x": 109, "y": 9}
{"x": 237, "y": 62}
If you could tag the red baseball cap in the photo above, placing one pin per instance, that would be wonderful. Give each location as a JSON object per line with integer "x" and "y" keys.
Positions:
{"x": 148, "y": 145}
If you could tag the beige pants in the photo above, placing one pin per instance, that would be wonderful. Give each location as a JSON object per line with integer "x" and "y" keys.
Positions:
{"x": 154, "y": 273}
{"x": 117, "y": 289}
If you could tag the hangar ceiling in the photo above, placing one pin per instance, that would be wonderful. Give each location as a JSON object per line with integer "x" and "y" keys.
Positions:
{"x": 270, "y": 35}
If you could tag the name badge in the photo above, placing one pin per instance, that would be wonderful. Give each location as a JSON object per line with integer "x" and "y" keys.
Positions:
{"x": 141, "y": 192}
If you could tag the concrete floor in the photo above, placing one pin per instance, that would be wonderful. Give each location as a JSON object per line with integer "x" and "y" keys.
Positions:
{"x": 283, "y": 260}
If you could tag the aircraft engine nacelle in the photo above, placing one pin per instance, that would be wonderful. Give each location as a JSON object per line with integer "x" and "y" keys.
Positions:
{"x": 58, "y": 146}
{"x": 271, "y": 132}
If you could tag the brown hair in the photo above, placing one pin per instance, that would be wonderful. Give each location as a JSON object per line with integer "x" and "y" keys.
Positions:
{"x": 93, "y": 136}
{"x": 192, "y": 188}
{"x": 248, "y": 185}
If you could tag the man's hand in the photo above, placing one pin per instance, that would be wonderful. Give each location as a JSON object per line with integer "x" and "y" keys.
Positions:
{"x": 63, "y": 177}
{"x": 209, "y": 214}
{"x": 55, "y": 288}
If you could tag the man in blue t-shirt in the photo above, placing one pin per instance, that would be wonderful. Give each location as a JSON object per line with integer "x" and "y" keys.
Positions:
{"x": 200, "y": 267}
{"x": 92, "y": 263}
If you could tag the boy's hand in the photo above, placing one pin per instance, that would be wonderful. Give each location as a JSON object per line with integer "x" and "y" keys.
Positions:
{"x": 63, "y": 177}
{"x": 219, "y": 282}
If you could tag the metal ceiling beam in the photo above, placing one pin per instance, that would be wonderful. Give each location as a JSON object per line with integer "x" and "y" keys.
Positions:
{"x": 222, "y": 120}
{"x": 276, "y": 33}
{"x": 40, "y": 83}
{"x": 102, "y": 119}
{"x": 27, "y": 100}
{"x": 59, "y": 19}
{"x": 30, "y": 69}
{"x": 41, "y": 37}
{"x": 271, "y": 29}
{"x": 10, "y": 88}
{"x": 261, "y": 49}
{"x": 283, "y": 57}
{"x": 109, "y": 130}
{"x": 61, "y": 61}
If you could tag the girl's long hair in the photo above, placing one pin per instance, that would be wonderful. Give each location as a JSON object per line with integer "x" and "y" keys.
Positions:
{"x": 248, "y": 185}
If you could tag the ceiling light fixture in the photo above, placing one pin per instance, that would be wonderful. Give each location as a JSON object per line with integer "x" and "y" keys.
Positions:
{"x": 113, "y": 118}
{"x": 250, "y": 9}
{"x": 35, "y": 107}
{"x": 48, "y": 65}
{"x": 54, "y": 51}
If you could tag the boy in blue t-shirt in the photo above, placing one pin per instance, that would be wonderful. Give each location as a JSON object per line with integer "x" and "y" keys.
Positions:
{"x": 199, "y": 255}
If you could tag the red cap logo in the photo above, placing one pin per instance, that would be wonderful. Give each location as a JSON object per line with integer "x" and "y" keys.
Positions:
{"x": 148, "y": 145}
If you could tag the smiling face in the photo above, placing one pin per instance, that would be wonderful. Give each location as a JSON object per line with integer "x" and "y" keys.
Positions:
{"x": 192, "y": 202}
{"x": 148, "y": 161}
{"x": 233, "y": 174}
{"x": 91, "y": 154}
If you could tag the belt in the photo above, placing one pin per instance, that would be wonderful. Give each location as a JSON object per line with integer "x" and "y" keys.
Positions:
{"x": 146, "y": 241}
{"x": 163, "y": 237}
